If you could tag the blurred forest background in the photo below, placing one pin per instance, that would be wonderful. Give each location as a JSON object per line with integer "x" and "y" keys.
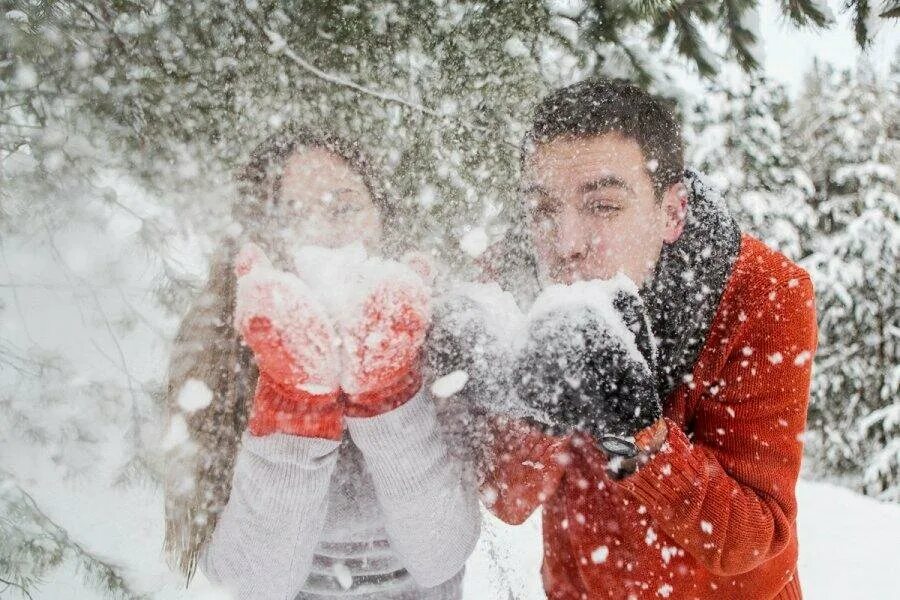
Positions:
{"x": 121, "y": 121}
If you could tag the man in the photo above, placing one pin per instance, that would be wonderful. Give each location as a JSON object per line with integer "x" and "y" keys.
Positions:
{"x": 704, "y": 504}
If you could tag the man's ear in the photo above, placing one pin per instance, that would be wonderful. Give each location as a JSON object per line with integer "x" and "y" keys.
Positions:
{"x": 675, "y": 206}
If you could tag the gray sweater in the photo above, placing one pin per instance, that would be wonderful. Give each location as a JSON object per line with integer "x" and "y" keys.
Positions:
{"x": 386, "y": 513}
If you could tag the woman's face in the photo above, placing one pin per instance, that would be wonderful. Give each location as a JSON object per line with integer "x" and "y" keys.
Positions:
{"x": 328, "y": 202}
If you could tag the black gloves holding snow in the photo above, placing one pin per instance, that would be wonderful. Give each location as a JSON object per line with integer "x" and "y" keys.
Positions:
{"x": 461, "y": 339}
{"x": 575, "y": 368}
{"x": 566, "y": 366}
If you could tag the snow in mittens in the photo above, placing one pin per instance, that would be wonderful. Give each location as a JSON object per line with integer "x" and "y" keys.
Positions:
{"x": 295, "y": 315}
{"x": 342, "y": 278}
{"x": 380, "y": 307}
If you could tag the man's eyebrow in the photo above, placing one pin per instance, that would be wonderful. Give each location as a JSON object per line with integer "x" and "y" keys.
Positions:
{"x": 608, "y": 181}
{"x": 534, "y": 189}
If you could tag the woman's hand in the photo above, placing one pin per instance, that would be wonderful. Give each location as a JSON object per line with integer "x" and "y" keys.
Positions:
{"x": 295, "y": 348}
{"x": 381, "y": 342}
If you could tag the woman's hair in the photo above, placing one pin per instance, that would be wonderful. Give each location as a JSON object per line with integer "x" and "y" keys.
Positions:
{"x": 259, "y": 179}
{"x": 207, "y": 348}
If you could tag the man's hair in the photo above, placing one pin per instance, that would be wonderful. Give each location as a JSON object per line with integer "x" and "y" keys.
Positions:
{"x": 598, "y": 106}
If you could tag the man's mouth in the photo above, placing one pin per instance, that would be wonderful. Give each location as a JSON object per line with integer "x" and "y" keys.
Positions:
{"x": 567, "y": 274}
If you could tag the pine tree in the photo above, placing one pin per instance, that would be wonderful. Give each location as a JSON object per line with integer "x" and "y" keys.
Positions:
{"x": 82, "y": 308}
{"x": 735, "y": 134}
{"x": 846, "y": 127}
{"x": 183, "y": 89}
{"x": 33, "y": 544}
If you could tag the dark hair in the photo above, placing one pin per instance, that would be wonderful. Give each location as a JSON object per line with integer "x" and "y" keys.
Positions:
{"x": 597, "y": 106}
{"x": 259, "y": 179}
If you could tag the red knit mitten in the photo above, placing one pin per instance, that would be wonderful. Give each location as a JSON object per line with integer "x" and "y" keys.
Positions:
{"x": 295, "y": 348}
{"x": 382, "y": 339}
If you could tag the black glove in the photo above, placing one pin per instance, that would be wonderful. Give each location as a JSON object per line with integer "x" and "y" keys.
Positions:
{"x": 576, "y": 372}
{"x": 461, "y": 340}
{"x": 463, "y": 337}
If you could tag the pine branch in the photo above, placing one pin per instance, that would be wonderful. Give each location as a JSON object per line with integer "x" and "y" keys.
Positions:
{"x": 276, "y": 40}
{"x": 689, "y": 41}
{"x": 32, "y": 545}
{"x": 805, "y": 12}
{"x": 861, "y": 11}
{"x": 740, "y": 38}
{"x": 13, "y": 583}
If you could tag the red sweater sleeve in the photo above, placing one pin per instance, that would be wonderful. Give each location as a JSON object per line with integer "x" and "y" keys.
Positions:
{"x": 523, "y": 470}
{"x": 728, "y": 495}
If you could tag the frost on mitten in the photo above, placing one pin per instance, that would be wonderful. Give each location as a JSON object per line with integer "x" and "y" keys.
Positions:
{"x": 295, "y": 348}
{"x": 382, "y": 335}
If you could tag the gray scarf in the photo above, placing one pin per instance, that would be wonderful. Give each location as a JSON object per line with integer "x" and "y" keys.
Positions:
{"x": 684, "y": 292}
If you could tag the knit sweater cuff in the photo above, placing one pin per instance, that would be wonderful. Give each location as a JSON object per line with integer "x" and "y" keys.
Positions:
{"x": 670, "y": 474}
{"x": 283, "y": 448}
{"x": 393, "y": 440}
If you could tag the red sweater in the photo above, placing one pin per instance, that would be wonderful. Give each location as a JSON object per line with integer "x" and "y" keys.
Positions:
{"x": 713, "y": 514}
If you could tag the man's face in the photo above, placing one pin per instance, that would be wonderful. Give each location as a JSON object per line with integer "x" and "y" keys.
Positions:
{"x": 593, "y": 211}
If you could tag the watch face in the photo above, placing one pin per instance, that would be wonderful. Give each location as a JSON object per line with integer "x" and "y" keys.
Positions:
{"x": 619, "y": 446}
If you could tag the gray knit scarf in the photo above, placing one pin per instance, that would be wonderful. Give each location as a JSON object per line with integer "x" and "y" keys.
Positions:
{"x": 684, "y": 292}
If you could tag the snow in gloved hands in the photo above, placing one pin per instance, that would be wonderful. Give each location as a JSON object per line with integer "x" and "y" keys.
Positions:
{"x": 586, "y": 358}
{"x": 583, "y": 357}
{"x": 345, "y": 283}
{"x": 468, "y": 351}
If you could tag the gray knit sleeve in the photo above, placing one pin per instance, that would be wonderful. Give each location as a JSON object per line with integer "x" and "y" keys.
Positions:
{"x": 431, "y": 509}
{"x": 263, "y": 543}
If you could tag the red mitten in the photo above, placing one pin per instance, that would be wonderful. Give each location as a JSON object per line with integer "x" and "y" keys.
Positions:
{"x": 382, "y": 339}
{"x": 295, "y": 347}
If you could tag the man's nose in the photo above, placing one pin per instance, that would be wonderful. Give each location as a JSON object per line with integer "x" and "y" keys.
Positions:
{"x": 573, "y": 238}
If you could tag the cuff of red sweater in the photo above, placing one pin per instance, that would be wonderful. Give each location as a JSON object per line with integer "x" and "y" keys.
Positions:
{"x": 663, "y": 480}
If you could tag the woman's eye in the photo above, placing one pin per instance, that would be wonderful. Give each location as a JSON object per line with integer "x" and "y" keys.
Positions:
{"x": 345, "y": 209}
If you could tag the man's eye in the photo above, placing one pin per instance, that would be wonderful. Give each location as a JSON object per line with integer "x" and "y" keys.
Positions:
{"x": 603, "y": 207}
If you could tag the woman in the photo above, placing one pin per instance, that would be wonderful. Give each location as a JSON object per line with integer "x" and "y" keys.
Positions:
{"x": 341, "y": 484}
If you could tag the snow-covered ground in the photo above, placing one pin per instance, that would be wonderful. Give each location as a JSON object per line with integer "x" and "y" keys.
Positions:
{"x": 848, "y": 546}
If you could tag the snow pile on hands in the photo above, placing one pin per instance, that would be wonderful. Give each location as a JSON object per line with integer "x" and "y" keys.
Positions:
{"x": 479, "y": 330}
{"x": 362, "y": 316}
{"x": 278, "y": 316}
{"x": 595, "y": 298}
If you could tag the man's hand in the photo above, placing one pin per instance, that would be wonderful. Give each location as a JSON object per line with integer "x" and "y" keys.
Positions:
{"x": 469, "y": 333}
{"x": 576, "y": 369}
